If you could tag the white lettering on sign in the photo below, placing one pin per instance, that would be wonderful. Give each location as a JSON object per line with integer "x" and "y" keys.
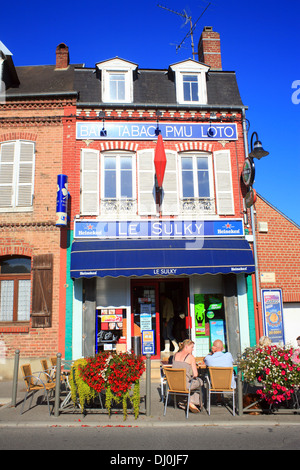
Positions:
{"x": 137, "y": 130}
{"x": 164, "y": 271}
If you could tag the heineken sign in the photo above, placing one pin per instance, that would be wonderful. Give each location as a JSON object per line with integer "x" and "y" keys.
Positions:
{"x": 248, "y": 172}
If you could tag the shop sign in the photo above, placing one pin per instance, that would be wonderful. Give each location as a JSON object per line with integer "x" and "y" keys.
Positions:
{"x": 273, "y": 314}
{"x": 163, "y": 229}
{"x": 146, "y": 131}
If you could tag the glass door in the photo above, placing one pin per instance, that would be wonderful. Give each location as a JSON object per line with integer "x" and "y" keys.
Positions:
{"x": 144, "y": 310}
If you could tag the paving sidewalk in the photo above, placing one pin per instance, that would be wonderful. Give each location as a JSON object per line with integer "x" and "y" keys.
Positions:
{"x": 38, "y": 415}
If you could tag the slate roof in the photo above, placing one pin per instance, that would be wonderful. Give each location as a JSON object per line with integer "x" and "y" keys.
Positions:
{"x": 42, "y": 79}
{"x": 151, "y": 87}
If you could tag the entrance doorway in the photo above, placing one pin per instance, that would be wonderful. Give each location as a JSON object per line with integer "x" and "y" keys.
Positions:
{"x": 146, "y": 308}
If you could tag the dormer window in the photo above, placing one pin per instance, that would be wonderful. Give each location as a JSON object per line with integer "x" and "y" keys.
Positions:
{"x": 190, "y": 82}
{"x": 117, "y": 80}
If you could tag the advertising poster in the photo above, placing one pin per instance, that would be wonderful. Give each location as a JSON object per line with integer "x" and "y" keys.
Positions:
{"x": 273, "y": 314}
{"x": 217, "y": 331}
{"x": 200, "y": 314}
{"x": 207, "y": 307}
{"x": 148, "y": 342}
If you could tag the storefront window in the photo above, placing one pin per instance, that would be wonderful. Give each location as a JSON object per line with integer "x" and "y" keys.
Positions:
{"x": 15, "y": 289}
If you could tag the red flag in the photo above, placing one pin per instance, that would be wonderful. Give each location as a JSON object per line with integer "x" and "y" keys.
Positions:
{"x": 160, "y": 160}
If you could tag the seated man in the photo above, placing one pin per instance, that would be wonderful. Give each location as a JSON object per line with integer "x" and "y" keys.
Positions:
{"x": 219, "y": 359}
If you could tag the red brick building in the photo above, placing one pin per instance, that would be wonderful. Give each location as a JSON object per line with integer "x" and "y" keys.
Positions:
{"x": 278, "y": 248}
{"x": 32, "y": 272}
{"x": 132, "y": 240}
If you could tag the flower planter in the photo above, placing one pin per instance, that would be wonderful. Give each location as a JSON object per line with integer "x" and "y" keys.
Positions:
{"x": 116, "y": 374}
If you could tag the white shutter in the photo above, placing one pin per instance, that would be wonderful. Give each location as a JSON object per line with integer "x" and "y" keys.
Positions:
{"x": 25, "y": 174}
{"x": 146, "y": 183}
{"x": 7, "y": 156}
{"x": 223, "y": 177}
{"x": 170, "y": 185}
{"x": 89, "y": 182}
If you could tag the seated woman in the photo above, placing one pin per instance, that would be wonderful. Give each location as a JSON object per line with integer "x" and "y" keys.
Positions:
{"x": 184, "y": 359}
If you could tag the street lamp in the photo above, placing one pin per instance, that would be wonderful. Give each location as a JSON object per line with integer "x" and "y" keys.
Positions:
{"x": 257, "y": 150}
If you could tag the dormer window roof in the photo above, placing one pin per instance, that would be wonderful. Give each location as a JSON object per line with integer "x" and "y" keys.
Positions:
{"x": 190, "y": 82}
{"x": 117, "y": 80}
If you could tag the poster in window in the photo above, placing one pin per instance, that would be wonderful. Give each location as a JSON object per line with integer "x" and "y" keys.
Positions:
{"x": 207, "y": 307}
{"x": 273, "y": 314}
{"x": 217, "y": 331}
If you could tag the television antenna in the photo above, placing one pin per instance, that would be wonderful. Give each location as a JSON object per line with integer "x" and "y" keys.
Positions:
{"x": 188, "y": 19}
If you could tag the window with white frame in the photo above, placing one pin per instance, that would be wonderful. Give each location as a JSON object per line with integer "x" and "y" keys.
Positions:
{"x": 117, "y": 86}
{"x": 197, "y": 191}
{"x": 118, "y": 178}
{"x": 190, "y": 87}
{"x": 17, "y": 160}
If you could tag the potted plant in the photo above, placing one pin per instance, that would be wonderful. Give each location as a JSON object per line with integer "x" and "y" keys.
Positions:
{"x": 272, "y": 368}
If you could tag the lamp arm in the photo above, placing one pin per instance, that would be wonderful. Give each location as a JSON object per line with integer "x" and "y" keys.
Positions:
{"x": 251, "y": 143}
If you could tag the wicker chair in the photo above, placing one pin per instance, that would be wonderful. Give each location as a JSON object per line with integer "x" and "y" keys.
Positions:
{"x": 219, "y": 382}
{"x": 176, "y": 381}
{"x": 34, "y": 384}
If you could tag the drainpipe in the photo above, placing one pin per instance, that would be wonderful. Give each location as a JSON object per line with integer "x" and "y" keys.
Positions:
{"x": 257, "y": 284}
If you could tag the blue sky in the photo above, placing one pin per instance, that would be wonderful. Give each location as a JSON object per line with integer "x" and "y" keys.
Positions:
{"x": 259, "y": 40}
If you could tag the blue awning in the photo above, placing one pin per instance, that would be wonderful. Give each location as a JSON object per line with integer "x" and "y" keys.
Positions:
{"x": 157, "y": 257}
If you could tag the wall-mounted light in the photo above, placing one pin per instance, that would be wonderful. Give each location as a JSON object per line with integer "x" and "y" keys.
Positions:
{"x": 211, "y": 131}
{"x": 103, "y": 132}
{"x": 157, "y": 130}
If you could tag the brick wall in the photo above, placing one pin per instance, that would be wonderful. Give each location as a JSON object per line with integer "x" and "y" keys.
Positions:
{"x": 34, "y": 232}
{"x": 278, "y": 250}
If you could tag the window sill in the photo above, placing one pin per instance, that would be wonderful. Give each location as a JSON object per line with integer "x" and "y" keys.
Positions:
{"x": 21, "y": 327}
{"x": 16, "y": 209}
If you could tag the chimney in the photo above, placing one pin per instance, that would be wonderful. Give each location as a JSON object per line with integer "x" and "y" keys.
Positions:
{"x": 209, "y": 48}
{"x": 62, "y": 56}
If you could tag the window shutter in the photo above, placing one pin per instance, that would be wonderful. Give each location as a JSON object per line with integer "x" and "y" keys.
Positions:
{"x": 90, "y": 182}
{"x": 170, "y": 185}
{"x": 42, "y": 287}
{"x": 223, "y": 177}
{"x": 146, "y": 183}
{"x": 25, "y": 175}
{"x": 7, "y": 174}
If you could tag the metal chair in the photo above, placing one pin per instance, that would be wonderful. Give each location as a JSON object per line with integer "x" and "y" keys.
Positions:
{"x": 35, "y": 384}
{"x": 176, "y": 381}
{"x": 163, "y": 381}
{"x": 219, "y": 382}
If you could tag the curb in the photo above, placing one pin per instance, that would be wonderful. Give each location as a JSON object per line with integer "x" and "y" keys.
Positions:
{"x": 149, "y": 424}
